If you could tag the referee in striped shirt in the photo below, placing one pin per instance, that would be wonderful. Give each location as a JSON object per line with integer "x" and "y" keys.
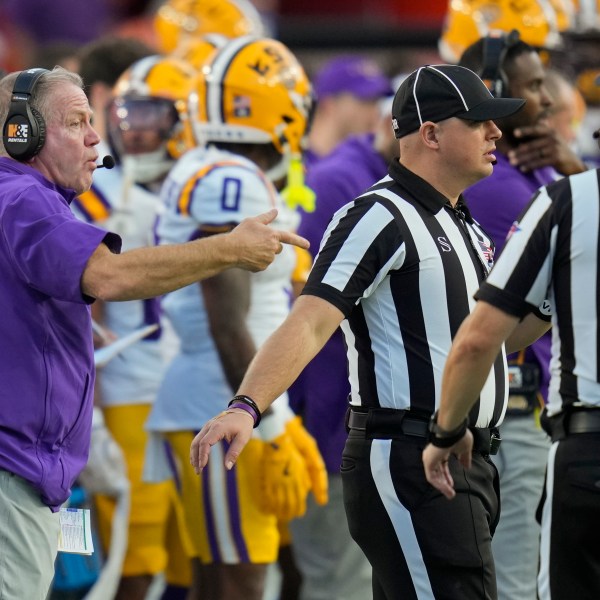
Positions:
{"x": 552, "y": 248}
{"x": 397, "y": 268}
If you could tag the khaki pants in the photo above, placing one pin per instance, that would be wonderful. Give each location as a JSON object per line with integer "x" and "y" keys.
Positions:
{"x": 28, "y": 541}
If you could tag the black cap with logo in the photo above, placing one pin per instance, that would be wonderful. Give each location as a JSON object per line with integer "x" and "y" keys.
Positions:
{"x": 438, "y": 92}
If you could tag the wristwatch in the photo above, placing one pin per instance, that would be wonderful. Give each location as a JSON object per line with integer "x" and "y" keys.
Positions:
{"x": 442, "y": 438}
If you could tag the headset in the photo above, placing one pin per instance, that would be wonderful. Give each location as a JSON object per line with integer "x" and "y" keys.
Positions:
{"x": 24, "y": 130}
{"x": 495, "y": 46}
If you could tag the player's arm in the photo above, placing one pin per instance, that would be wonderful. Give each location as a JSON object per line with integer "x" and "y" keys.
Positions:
{"x": 150, "y": 272}
{"x": 227, "y": 301}
{"x": 277, "y": 364}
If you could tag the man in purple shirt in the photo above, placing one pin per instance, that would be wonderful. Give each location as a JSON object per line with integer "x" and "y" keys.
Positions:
{"x": 333, "y": 566}
{"x": 53, "y": 267}
{"x": 529, "y": 155}
{"x": 348, "y": 89}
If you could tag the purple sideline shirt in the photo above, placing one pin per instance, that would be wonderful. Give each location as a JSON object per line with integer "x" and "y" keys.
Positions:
{"x": 46, "y": 354}
{"x": 496, "y": 202}
{"x": 323, "y": 388}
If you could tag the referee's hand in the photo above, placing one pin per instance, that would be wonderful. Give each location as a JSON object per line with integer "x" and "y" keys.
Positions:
{"x": 231, "y": 425}
{"x": 435, "y": 461}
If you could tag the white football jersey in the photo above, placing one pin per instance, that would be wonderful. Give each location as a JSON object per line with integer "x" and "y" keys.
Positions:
{"x": 131, "y": 211}
{"x": 210, "y": 190}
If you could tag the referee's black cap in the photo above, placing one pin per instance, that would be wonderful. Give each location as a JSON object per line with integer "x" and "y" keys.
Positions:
{"x": 438, "y": 92}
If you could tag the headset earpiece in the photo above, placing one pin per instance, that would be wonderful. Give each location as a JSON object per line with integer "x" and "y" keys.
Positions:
{"x": 24, "y": 130}
{"x": 495, "y": 46}
{"x": 41, "y": 134}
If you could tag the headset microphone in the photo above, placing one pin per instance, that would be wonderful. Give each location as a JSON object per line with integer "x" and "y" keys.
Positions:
{"x": 108, "y": 162}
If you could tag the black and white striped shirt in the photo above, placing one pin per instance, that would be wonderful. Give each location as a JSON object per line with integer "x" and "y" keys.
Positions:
{"x": 553, "y": 253}
{"x": 403, "y": 266}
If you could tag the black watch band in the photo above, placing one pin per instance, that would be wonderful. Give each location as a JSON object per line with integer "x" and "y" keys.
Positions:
{"x": 442, "y": 438}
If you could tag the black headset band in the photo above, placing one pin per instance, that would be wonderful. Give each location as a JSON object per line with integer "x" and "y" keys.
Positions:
{"x": 26, "y": 80}
{"x": 494, "y": 52}
{"x": 496, "y": 46}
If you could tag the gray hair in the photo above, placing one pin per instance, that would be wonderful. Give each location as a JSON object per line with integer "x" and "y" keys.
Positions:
{"x": 41, "y": 97}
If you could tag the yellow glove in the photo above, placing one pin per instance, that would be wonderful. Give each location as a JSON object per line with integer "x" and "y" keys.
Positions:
{"x": 314, "y": 461}
{"x": 285, "y": 482}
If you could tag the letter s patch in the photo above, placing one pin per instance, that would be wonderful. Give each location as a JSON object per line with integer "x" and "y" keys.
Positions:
{"x": 444, "y": 244}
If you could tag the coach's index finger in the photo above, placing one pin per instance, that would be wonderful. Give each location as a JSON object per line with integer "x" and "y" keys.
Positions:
{"x": 287, "y": 237}
{"x": 267, "y": 217}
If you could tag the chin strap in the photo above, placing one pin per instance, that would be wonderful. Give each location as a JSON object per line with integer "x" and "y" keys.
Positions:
{"x": 296, "y": 193}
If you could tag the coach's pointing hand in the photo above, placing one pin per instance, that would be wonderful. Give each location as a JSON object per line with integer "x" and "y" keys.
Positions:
{"x": 260, "y": 242}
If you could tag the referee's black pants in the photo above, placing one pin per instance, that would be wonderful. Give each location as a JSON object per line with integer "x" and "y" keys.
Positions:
{"x": 420, "y": 545}
{"x": 570, "y": 519}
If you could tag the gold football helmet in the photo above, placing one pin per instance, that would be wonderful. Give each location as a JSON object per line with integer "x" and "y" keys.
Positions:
{"x": 177, "y": 20}
{"x": 539, "y": 23}
{"x": 196, "y": 51}
{"x": 252, "y": 91}
{"x": 588, "y": 83}
{"x": 147, "y": 120}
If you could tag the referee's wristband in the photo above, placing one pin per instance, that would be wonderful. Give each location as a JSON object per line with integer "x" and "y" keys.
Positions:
{"x": 442, "y": 438}
{"x": 246, "y": 403}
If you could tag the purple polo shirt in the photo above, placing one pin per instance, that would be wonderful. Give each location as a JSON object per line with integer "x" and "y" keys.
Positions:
{"x": 496, "y": 203}
{"x": 46, "y": 354}
{"x": 322, "y": 391}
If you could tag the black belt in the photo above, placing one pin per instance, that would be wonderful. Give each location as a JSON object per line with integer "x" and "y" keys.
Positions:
{"x": 587, "y": 421}
{"x": 572, "y": 422}
{"x": 389, "y": 424}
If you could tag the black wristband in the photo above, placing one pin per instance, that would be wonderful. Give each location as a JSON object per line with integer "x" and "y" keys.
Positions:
{"x": 441, "y": 438}
{"x": 249, "y": 402}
